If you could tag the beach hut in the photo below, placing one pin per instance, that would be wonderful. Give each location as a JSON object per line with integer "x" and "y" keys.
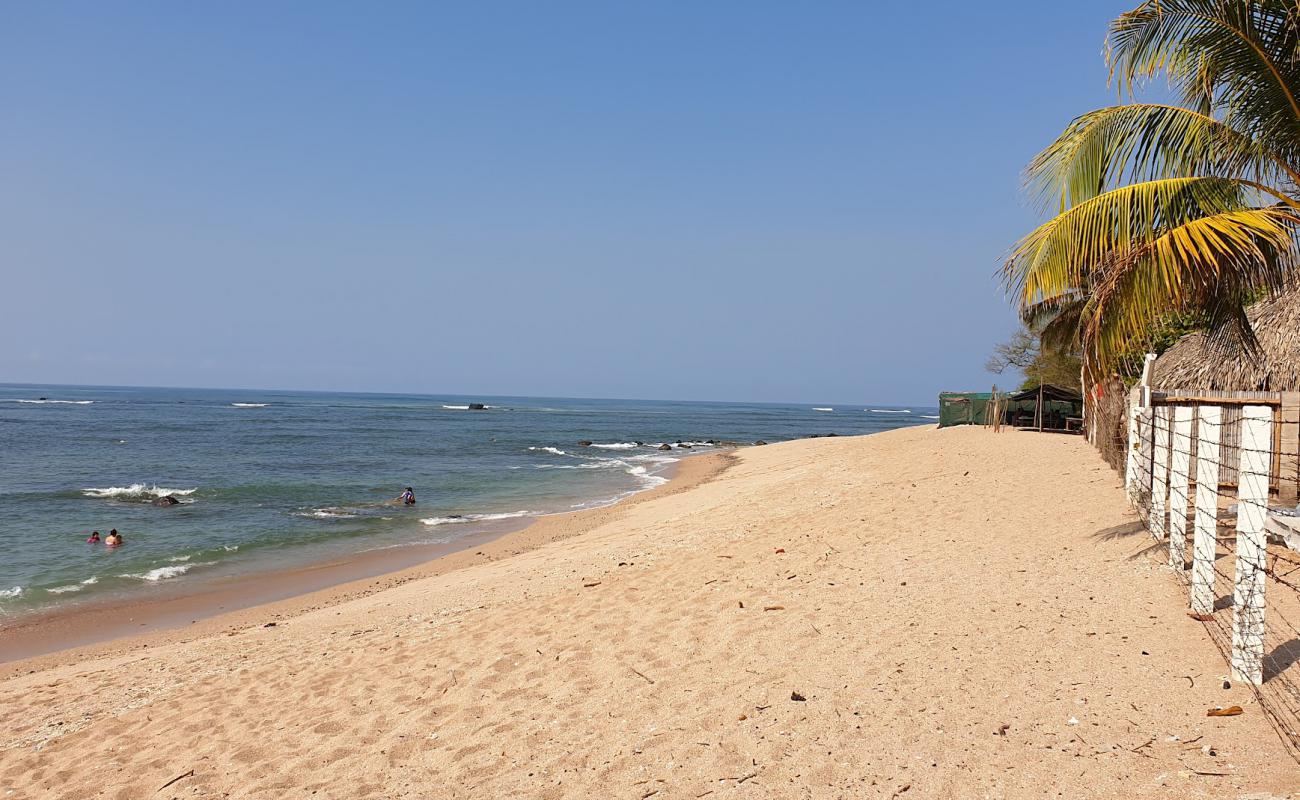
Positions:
{"x": 1046, "y": 408}
{"x": 1194, "y": 372}
{"x": 1192, "y": 365}
{"x": 963, "y": 408}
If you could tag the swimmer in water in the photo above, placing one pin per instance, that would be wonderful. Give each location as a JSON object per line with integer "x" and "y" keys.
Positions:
{"x": 408, "y": 497}
{"x": 94, "y": 538}
{"x": 114, "y": 538}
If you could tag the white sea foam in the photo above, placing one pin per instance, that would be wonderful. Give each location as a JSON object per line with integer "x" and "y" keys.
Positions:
{"x": 230, "y": 548}
{"x": 72, "y": 587}
{"x": 17, "y": 591}
{"x": 552, "y": 450}
{"x": 889, "y": 411}
{"x": 823, "y": 409}
{"x": 456, "y": 408}
{"x": 250, "y": 405}
{"x": 431, "y": 521}
{"x": 163, "y": 573}
{"x": 929, "y": 416}
{"x": 54, "y": 402}
{"x": 180, "y": 558}
{"x": 138, "y": 491}
{"x": 329, "y": 512}
{"x": 617, "y": 446}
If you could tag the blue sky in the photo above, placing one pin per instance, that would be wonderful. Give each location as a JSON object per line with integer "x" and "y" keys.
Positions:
{"x": 748, "y": 200}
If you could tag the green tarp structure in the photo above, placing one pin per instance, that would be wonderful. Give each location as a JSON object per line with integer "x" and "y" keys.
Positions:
{"x": 963, "y": 408}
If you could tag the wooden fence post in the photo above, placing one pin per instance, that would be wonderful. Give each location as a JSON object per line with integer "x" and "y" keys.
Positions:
{"x": 1252, "y": 505}
{"x": 1162, "y": 425}
{"x": 1205, "y": 540}
{"x": 1180, "y": 459}
{"x": 1289, "y": 463}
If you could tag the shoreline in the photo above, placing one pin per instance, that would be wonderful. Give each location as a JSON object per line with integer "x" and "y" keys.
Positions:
{"x": 38, "y": 639}
{"x": 936, "y": 613}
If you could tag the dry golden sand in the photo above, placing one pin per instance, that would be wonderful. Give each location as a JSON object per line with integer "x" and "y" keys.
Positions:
{"x": 936, "y": 587}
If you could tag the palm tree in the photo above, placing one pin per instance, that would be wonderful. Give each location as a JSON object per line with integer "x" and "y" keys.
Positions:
{"x": 1167, "y": 209}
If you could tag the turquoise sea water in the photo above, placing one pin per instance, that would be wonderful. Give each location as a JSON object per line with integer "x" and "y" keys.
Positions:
{"x": 272, "y": 478}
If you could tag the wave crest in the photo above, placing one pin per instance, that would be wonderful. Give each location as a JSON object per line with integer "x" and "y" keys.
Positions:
{"x": 163, "y": 573}
{"x": 137, "y": 491}
{"x": 431, "y": 521}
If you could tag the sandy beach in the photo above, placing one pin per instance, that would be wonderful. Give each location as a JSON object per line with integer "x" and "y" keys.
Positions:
{"x": 919, "y": 613}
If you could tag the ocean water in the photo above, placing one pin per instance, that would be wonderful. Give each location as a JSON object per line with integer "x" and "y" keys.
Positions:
{"x": 268, "y": 479}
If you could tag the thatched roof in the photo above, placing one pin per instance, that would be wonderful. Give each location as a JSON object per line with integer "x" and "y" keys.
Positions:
{"x": 1192, "y": 365}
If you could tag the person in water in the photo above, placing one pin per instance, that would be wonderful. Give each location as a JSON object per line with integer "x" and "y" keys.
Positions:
{"x": 94, "y": 538}
{"x": 114, "y": 538}
{"x": 408, "y": 497}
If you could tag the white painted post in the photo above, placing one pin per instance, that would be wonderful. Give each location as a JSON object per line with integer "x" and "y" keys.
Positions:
{"x": 1131, "y": 465}
{"x": 1205, "y": 540}
{"x": 1180, "y": 460}
{"x": 1252, "y": 504}
{"x": 1160, "y": 470}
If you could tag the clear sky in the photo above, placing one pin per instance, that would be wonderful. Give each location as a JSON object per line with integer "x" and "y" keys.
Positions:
{"x": 765, "y": 201}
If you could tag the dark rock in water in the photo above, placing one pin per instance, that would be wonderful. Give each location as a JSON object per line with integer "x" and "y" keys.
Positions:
{"x": 709, "y": 441}
{"x": 684, "y": 446}
{"x": 477, "y": 407}
{"x": 665, "y": 447}
{"x": 585, "y": 443}
{"x": 639, "y": 444}
{"x": 727, "y": 443}
{"x": 166, "y": 500}
{"x": 832, "y": 434}
{"x": 759, "y": 442}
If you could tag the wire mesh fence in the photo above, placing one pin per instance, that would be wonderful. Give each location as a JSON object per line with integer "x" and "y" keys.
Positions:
{"x": 1199, "y": 475}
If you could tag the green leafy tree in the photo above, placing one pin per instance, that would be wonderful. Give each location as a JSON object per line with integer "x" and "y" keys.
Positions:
{"x": 1027, "y": 352}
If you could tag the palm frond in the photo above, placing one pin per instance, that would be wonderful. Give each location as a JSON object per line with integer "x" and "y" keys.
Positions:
{"x": 1237, "y": 57}
{"x": 1139, "y": 142}
{"x": 1064, "y": 253}
{"x": 1214, "y": 264}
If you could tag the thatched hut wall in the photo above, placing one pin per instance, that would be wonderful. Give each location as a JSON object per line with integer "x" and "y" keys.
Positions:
{"x": 1192, "y": 365}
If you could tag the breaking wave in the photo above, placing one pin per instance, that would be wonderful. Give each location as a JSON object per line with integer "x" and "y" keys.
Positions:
{"x": 43, "y": 401}
{"x": 163, "y": 573}
{"x": 138, "y": 491}
{"x": 431, "y": 521}
{"x": 552, "y": 450}
{"x": 889, "y": 411}
{"x": 823, "y": 409}
{"x": 73, "y": 587}
{"x": 17, "y": 591}
{"x": 249, "y": 405}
